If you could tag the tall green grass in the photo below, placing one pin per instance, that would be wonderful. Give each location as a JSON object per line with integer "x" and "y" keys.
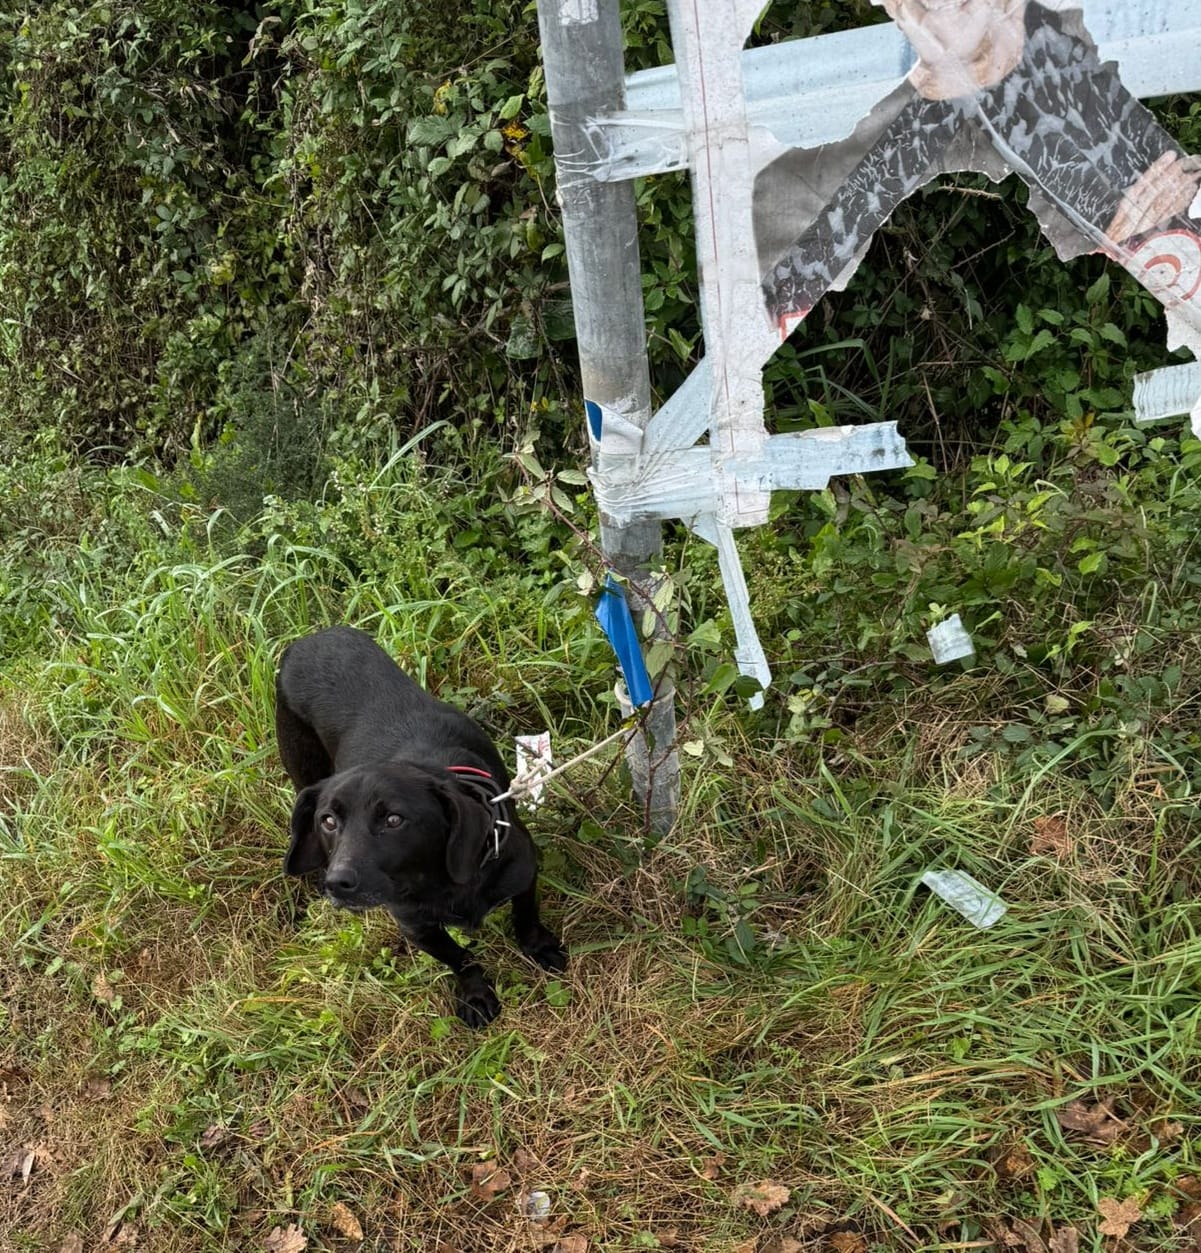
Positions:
{"x": 196, "y": 1053}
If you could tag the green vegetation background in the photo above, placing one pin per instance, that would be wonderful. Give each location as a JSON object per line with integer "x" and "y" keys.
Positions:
{"x": 285, "y": 339}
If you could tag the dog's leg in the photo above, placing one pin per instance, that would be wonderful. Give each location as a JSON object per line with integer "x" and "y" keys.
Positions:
{"x": 534, "y": 940}
{"x": 302, "y": 753}
{"x": 476, "y": 1002}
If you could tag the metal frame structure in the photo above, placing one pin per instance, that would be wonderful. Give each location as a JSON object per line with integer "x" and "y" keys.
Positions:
{"x": 722, "y": 111}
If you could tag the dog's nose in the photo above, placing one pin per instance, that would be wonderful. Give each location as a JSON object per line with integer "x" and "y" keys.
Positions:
{"x": 341, "y": 880}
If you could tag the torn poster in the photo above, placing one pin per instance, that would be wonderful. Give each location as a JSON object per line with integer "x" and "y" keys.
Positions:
{"x": 801, "y": 151}
{"x": 999, "y": 86}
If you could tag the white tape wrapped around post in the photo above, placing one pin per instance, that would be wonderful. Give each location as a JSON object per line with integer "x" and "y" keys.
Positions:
{"x": 749, "y": 654}
{"x": 799, "y": 153}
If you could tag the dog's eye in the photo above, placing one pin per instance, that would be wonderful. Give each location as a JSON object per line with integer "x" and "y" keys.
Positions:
{"x": 329, "y": 822}
{"x": 392, "y": 821}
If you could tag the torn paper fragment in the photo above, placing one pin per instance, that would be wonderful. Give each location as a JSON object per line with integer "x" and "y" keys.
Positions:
{"x": 533, "y": 765}
{"x": 610, "y": 431}
{"x": 1019, "y": 88}
{"x": 1167, "y": 393}
{"x": 966, "y": 896}
{"x": 812, "y": 92}
{"x": 949, "y": 641}
{"x": 537, "y": 1207}
{"x": 578, "y": 12}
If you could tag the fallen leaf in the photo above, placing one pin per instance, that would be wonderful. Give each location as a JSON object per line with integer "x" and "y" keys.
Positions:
{"x": 1097, "y": 1124}
{"x": 572, "y": 1244}
{"x": 1051, "y": 838}
{"x": 524, "y": 1160}
{"x": 214, "y": 1135}
{"x": 840, "y": 1242}
{"x": 1065, "y": 1240}
{"x": 1013, "y": 1163}
{"x": 1027, "y": 1231}
{"x": 102, "y": 990}
{"x": 711, "y": 1166}
{"x": 999, "y": 1234}
{"x": 1187, "y": 1219}
{"x": 72, "y": 1243}
{"x": 125, "y": 1237}
{"x": 544, "y": 1234}
{"x": 1189, "y": 1185}
{"x": 357, "y": 1098}
{"x": 1165, "y": 1132}
{"x": 763, "y": 1197}
{"x": 344, "y": 1222}
{"x": 488, "y": 1180}
{"x": 289, "y": 1239}
{"x": 1119, "y": 1216}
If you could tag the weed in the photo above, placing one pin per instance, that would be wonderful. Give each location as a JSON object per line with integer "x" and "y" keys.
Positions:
{"x": 195, "y": 1055}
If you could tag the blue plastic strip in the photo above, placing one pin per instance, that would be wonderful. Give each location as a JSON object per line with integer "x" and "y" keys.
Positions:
{"x": 613, "y": 614}
{"x": 592, "y": 411}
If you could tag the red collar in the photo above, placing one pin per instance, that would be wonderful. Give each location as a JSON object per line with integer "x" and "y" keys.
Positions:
{"x": 500, "y": 824}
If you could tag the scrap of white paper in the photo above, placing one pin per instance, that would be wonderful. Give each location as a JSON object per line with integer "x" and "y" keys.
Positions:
{"x": 949, "y": 641}
{"x": 577, "y": 12}
{"x": 533, "y": 763}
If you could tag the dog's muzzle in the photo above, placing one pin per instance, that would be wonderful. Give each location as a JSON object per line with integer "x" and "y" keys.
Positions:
{"x": 343, "y": 889}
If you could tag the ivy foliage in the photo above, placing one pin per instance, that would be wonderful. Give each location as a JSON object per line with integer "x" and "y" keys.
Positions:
{"x": 320, "y": 225}
{"x": 335, "y": 199}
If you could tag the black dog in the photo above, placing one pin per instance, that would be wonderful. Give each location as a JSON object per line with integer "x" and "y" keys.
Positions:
{"x": 394, "y": 803}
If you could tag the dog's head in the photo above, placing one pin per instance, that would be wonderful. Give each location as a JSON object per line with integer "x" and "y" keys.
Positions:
{"x": 386, "y": 831}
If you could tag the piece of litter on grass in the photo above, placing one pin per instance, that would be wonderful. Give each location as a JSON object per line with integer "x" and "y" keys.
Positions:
{"x": 537, "y": 1206}
{"x": 966, "y": 896}
{"x": 533, "y": 764}
{"x": 18, "y": 1165}
{"x": 949, "y": 641}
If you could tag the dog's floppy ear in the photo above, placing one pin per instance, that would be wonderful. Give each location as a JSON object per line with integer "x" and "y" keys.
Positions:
{"x": 306, "y": 852}
{"x": 471, "y": 825}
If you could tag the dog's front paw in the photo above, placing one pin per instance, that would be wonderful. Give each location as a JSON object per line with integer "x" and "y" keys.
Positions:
{"x": 545, "y": 948}
{"x": 476, "y": 1002}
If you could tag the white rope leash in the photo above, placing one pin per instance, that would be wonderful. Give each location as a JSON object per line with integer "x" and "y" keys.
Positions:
{"x": 519, "y": 789}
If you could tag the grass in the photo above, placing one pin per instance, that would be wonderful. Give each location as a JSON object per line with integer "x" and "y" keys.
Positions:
{"x": 193, "y": 1055}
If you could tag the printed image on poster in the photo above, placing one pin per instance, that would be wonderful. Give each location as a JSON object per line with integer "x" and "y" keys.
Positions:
{"x": 999, "y": 86}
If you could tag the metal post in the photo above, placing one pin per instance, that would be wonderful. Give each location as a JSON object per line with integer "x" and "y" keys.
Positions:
{"x": 585, "y": 79}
